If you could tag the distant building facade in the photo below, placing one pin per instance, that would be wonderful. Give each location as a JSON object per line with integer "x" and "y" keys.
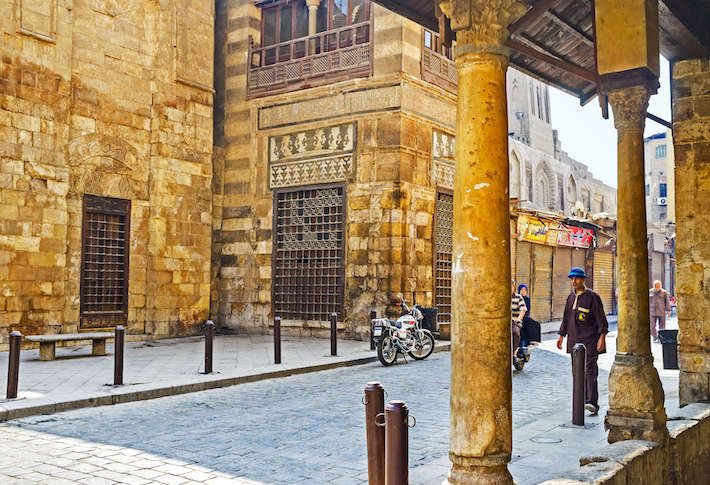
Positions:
{"x": 660, "y": 207}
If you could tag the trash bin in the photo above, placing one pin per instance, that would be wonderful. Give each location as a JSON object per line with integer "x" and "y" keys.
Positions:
{"x": 429, "y": 321}
{"x": 669, "y": 340}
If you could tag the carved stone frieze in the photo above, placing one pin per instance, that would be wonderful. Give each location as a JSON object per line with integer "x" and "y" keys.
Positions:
{"x": 629, "y": 106}
{"x": 312, "y": 143}
{"x": 443, "y": 145}
{"x": 311, "y": 172}
{"x": 443, "y": 174}
{"x": 482, "y": 22}
{"x": 104, "y": 165}
{"x": 443, "y": 154}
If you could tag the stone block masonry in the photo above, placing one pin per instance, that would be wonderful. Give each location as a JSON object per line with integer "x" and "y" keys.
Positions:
{"x": 112, "y": 100}
{"x": 691, "y": 135}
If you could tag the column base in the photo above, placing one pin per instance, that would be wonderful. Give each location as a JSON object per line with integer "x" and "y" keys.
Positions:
{"x": 491, "y": 470}
{"x": 636, "y": 401}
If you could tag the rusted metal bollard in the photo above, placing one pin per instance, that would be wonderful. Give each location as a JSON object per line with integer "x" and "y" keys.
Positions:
{"x": 277, "y": 340}
{"x": 373, "y": 315}
{"x": 118, "y": 356}
{"x": 374, "y": 401}
{"x": 579, "y": 375}
{"x": 333, "y": 334}
{"x": 209, "y": 345}
{"x": 396, "y": 443}
{"x": 13, "y": 369}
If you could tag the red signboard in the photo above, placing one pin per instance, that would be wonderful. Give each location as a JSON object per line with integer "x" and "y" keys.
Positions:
{"x": 574, "y": 236}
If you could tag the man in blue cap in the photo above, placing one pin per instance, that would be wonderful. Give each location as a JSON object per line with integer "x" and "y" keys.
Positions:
{"x": 584, "y": 321}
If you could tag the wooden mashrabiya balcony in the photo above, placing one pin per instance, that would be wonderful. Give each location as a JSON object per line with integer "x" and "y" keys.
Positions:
{"x": 327, "y": 57}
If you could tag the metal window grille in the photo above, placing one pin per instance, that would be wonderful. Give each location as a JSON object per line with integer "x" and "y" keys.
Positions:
{"x": 104, "y": 265}
{"x": 309, "y": 253}
{"x": 443, "y": 240}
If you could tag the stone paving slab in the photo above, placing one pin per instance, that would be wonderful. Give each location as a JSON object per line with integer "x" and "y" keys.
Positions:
{"x": 309, "y": 428}
{"x": 159, "y": 368}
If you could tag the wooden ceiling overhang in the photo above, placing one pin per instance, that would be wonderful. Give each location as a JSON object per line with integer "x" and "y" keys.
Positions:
{"x": 554, "y": 40}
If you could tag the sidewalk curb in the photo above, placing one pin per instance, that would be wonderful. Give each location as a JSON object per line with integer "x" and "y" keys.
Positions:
{"x": 119, "y": 397}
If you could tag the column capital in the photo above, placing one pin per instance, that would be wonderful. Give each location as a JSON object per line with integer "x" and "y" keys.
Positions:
{"x": 481, "y": 25}
{"x": 629, "y": 105}
{"x": 313, "y": 3}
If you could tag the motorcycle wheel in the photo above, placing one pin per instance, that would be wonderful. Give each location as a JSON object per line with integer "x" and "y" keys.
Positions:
{"x": 427, "y": 347}
{"x": 386, "y": 351}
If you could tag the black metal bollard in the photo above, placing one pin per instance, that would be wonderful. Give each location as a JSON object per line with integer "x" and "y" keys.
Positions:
{"x": 13, "y": 369}
{"x": 579, "y": 374}
{"x": 277, "y": 340}
{"x": 118, "y": 356}
{"x": 396, "y": 443}
{"x": 373, "y": 315}
{"x": 333, "y": 334}
{"x": 209, "y": 345}
{"x": 374, "y": 401}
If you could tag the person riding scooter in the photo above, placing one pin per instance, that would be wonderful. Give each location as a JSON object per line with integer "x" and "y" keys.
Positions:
{"x": 531, "y": 332}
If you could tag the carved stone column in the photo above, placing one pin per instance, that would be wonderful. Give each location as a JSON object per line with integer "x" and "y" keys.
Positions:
{"x": 636, "y": 397}
{"x": 481, "y": 383}
{"x": 312, "y": 23}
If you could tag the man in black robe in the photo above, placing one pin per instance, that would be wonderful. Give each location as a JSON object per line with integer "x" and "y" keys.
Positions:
{"x": 584, "y": 321}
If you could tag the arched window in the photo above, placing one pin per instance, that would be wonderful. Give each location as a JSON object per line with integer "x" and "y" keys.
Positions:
{"x": 515, "y": 180}
{"x": 571, "y": 191}
{"x": 542, "y": 190}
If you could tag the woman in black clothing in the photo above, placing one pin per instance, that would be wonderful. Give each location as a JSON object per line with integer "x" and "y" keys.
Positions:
{"x": 531, "y": 328}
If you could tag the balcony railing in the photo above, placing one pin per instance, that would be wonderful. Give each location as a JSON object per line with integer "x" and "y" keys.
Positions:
{"x": 326, "y": 57}
{"x": 437, "y": 64}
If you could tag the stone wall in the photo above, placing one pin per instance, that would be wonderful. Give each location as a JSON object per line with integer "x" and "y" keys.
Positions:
{"x": 111, "y": 99}
{"x": 691, "y": 135}
{"x": 683, "y": 460}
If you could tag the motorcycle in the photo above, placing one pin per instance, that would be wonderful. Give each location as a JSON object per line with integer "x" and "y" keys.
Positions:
{"x": 402, "y": 336}
{"x": 522, "y": 356}
{"x": 524, "y": 351}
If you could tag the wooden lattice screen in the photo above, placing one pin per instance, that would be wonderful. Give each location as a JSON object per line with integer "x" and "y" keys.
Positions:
{"x": 104, "y": 262}
{"x": 443, "y": 240}
{"x": 309, "y": 252}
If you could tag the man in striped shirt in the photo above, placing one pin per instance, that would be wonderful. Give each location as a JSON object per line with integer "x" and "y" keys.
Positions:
{"x": 517, "y": 312}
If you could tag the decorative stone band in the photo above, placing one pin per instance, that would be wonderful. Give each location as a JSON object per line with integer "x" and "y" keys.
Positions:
{"x": 638, "y": 421}
{"x": 311, "y": 172}
{"x": 484, "y": 460}
{"x": 629, "y": 359}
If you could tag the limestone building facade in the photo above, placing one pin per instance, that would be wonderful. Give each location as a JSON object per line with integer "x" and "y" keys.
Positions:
{"x": 660, "y": 208}
{"x": 334, "y": 164}
{"x": 105, "y": 165}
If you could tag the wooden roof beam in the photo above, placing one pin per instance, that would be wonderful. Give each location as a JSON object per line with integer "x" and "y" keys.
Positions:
{"x": 572, "y": 29}
{"x": 531, "y": 16}
{"x": 538, "y": 55}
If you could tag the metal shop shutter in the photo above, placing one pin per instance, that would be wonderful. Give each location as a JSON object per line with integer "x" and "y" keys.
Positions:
{"x": 560, "y": 283}
{"x": 523, "y": 262}
{"x": 541, "y": 292}
{"x": 604, "y": 277}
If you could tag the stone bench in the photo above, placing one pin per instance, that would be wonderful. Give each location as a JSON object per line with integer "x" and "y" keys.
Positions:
{"x": 47, "y": 343}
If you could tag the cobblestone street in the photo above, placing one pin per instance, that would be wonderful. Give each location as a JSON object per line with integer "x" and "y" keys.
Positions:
{"x": 302, "y": 429}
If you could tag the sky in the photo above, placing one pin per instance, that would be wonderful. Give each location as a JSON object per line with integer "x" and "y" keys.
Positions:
{"x": 591, "y": 139}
